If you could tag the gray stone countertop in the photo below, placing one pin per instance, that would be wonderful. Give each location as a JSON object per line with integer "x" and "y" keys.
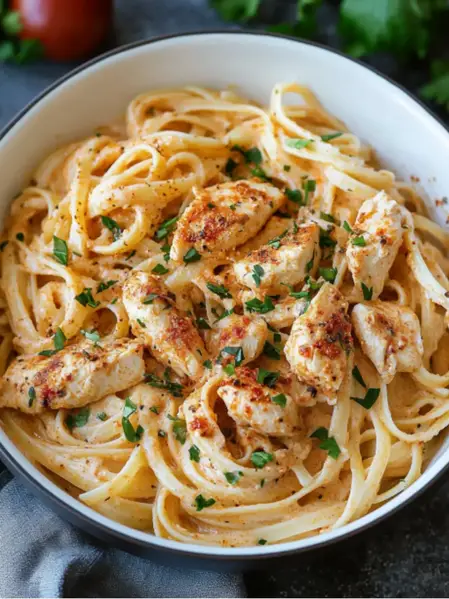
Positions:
{"x": 407, "y": 556}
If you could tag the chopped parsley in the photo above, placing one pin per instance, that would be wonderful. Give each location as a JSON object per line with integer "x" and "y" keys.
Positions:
{"x": 230, "y": 166}
{"x": 194, "y": 453}
{"x": 369, "y": 400}
{"x": 191, "y": 256}
{"x": 330, "y": 136}
{"x": 262, "y": 542}
{"x": 223, "y": 314}
{"x": 149, "y": 299}
{"x": 267, "y": 377}
{"x": 257, "y": 274}
{"x": 280, "y": 400}
{"x": 358, "y": 377}
{"x": 103, "y": 286}
{"x": 253, "y": 155}
{"x": 276, "y": 241}
{"x": 166, "y": 228}
{"x": 59, "y": 339}
{"x": 154, "y": 381}
{"x": 260, "y": 459}
{"x": 325, "y": 240}
{"x": 60, "y": 250}
{"x": 233, "y": 477}
{"x": 257, "y": 305}
{"x": 76, "y": 420}
{"x": 237, "y": 352}
{"x": 271, "y": 351}
{"x": 309, "y": 186}
{"x": 359, "y": 240}
{"x": 155, "y": 410}
{"x": 207, "y": 364}
{"x": 219, "y": 290}
{"x": 327, "y": 217}
{"x": 367, "y": 292}
{"x": 347, "y": 227}
{"x": 20, "y": 237}
{"x": 102, "y": 416}
{"x": 298, "y": 144}
{"x": 85, "y": 298}
{"x": 91, "y": 335}
{"x": 229, "y": 369}
{"x": 328, "y": 274}
{"x": 258, "y": 171}
{"x": 161, "y": 434}
{"x": 130, "y": 255}
{"x": 202, "y": 323}
{"x": 309, "y": 264}
{"x": 132, "y": 435}
{"x": 179, "y": 428}
{"x": 329, "y": 444}
{"x": 141, "y": 323}
{"x": 201, "y": 503}
{"x": 31, "y": 396}
{"x": 3, "y": 244}
{"x": 294, "y": 195}
{"x": 112, "y": 225}
{"x": 287, "y": 168}
{"x": 160, "y": 269}
{"x": 298, "y": 294}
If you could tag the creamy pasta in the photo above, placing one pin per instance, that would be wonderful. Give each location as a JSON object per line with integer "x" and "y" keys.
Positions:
{"x": 224, "y": 324}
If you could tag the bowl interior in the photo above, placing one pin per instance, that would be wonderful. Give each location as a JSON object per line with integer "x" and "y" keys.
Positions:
{"x": 408, "y": 140}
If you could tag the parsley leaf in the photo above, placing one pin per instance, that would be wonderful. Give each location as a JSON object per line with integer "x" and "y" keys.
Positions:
{"x": 400, "y": 27}
{"x": 149, "y": 299}
{"x": 230, "y": 166}
{"x": 166, "y": 228}
{"x": 359, "y": 241}
{"x": 294, "y": 195}
{"x": 253, "y": 155}
{"x": 160, "y": 269}
{"x": 191, "y": 256}
{"x": 31, "y": 396}
{"x": 201, "y": 503}
{"x": 369, "y": 400}
{"x": 329, "y": 444}
{"x": 309, "y": 186}
{"x": 347, "y": 227}
{"x": 237, "y": 352}
{"x": 331, "y": 136}
{"x": 298, "y": 144}
{"x": 438, "y": 88}
{"x": 128, "y": 409}
{"x": 358, "y": 376}
{"x": 257, "y": 274}
{"x": 112, "y": 225}
{"x": 194, "y": 453}
{"x": 202, "y": 324}
{"x": 257, "y": 305}
{"x": 91, "y": 335}
{"x": 271, "y": 351}
{"x": 154, "y": 381}
{"x": 103, "y": 286}
{"x": 219, "y": 290}
{"x": 85, "y": 298}
{"x": 260, "y": 459}
{"x": 233, "y": 477}
{"x": 367, "y": 292}
{"x": 60, "y": 250}
{"x": 179, "y": 428}
{"x": 79, "y": 419}
{"x": 328, "y": 274}
{"x": 280, "y": 400}
{"x": 207, "y": 364}
{"x": 267, "y": 377}
{"x": 59, "y": 339}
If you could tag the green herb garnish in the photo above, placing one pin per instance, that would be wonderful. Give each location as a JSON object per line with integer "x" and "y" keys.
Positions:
{"x": 329, "y": 444}
{"x": 60, "y": 250}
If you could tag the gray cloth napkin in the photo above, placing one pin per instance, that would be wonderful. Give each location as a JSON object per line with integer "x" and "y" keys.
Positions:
{"x": 43, "y": 556}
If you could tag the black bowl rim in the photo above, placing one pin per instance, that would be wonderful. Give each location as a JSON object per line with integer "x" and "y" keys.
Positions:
{"x": 180, "y": 549}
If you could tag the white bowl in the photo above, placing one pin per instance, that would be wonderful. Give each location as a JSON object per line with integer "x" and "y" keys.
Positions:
{"x": 408, "y": 139}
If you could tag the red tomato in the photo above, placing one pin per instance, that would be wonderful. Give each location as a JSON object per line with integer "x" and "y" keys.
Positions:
{"x": 68, "y": 29}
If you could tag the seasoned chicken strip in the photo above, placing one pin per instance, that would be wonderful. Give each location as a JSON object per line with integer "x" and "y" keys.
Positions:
{"x": 320, "y": 340}
{"x": 224, "y": 216}
{"x": 390, "y": 336}
{"x": 263, "y": 409}
{"x": 271, "y": 267}
{"x": 239, "y": 331}
{"x": 171, "y": 335}
{"x": 375, "y": 243}
{"x": 75, "y": 376}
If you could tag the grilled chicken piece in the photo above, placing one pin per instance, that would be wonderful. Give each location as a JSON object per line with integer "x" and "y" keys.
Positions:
{"x": 390, "y": 336}
{"x": 239, "y": 331}
{"x": 258, "y": 406}
{"x": 373, "y": 247}
{"x": 320, "y": 341}
{"x": 271, "y": 267}
{"x": 171, "y": 335}
{"x": 224, "y": 216}
{"x": 75, "y": 376}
